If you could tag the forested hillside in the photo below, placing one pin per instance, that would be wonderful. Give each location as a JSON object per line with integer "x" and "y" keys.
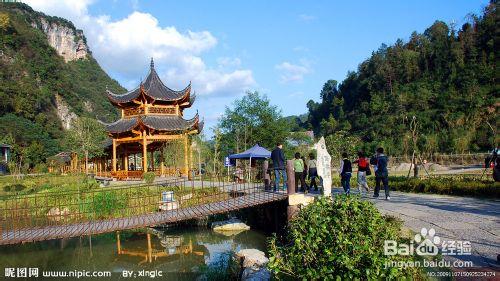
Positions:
{"x": 33, "y": 74}
{"x": 444, "y": 77}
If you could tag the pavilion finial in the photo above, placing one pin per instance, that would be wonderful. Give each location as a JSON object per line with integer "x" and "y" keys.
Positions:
{"x": 152, "y": 63}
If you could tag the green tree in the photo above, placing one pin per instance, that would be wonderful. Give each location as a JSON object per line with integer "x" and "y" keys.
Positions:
{"x": 340, "y": 142}
{"x": 217, "y": 153}
{"x": 251, "y": 120}
{"x": 444, "y": 76}
{"x": 86, "y": 138}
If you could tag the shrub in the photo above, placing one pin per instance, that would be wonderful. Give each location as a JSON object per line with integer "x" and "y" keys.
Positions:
{"x": 447, "y": 185}
{"x": 149, "y": 177}
{"x": 41, "y": 168}
{"x": 106, "y": 203}
{"x": 89, "y": 183}
{"x": 340, "y": 240}
{"x": 14, "y": 187}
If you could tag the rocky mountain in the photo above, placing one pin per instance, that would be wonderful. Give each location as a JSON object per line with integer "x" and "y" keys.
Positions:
{"x": 68, "y": 42}
{"x": 47, "y": 77}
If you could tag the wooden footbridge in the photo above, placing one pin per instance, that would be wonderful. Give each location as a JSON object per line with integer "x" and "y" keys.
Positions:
{"x": 50, "y": 215}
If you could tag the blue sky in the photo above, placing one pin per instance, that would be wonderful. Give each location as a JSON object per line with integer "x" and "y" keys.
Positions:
{"x": 284, "y": 49}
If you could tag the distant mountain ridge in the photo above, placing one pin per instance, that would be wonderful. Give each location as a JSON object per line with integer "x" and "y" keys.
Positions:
{"x": 47, "y": 77}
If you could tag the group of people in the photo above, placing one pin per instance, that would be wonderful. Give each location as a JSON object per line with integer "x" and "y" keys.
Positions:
{"x": 303, "y": 169}
{"x": 379, "y": 163}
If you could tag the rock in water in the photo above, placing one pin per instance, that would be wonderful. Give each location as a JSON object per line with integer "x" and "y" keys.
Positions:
{"x": 250, "y": 274}
{"x": 254, "y": 265}
{"x": 252, "y": 258}
{"x": 229, "y": 225}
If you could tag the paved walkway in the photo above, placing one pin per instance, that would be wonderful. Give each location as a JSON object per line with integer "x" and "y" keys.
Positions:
{"x": 453, "y": 218}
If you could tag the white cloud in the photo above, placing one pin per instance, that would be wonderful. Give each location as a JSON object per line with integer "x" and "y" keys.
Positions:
{"x": 293, "y": 72}
{"x": 305, "y": 17}
{"x": 300, "y": 49}
{"x": 228, "y": 62}
{"x": 69, "y": 9}
{"x": 124, "y": 47}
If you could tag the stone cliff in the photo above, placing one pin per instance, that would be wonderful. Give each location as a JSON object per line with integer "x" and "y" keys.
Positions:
{"x": 68, "y": 41}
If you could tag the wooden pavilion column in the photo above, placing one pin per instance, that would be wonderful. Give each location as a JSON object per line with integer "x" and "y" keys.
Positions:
{"x": 114, "y": 155}
{"x": 125, "y": 160}
{"x": 191, "y": 166}
{"x": 162, "y": 163}
{"x": 144, "y": 152}
{"x": 186, "y": 164}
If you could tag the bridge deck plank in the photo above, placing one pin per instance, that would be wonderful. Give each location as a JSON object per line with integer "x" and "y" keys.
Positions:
{"x": 150, "y": 219}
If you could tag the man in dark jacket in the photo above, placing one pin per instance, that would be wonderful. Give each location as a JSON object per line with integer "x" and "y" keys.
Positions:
{"x": 345, "y": 173}
{"x": 381, "y": 172}
{"x": 279, "y": 160}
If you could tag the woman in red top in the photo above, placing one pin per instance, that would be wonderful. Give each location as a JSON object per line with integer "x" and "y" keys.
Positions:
{"x": 363, "y": 166}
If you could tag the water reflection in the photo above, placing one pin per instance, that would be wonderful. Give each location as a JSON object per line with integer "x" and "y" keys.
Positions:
{"x": 171, "y": 251}
{"x": 165, "y": 248}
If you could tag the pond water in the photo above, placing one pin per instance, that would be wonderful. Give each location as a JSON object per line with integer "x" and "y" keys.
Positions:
{"x": 179, "y": 254}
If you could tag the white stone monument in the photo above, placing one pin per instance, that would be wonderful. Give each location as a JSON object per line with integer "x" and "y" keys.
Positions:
{"x": 324, "y": 166}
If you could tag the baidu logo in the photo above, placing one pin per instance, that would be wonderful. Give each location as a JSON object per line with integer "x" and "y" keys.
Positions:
{"x": 424, "y": 243}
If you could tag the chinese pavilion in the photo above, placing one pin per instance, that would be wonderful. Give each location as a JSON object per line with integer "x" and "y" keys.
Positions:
{"x": 152, "y": 115}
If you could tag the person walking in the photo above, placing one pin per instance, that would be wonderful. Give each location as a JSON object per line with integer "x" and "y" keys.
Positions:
{"x": 345, "y": 173}
{"x": 313, "y": 172}
{"x": 363, "y": 169}
{"x": 381, "y": 172}
{"x": 304, "y": 175}
{"x": 278, "y": 158}
{"x": 298, "y": 167}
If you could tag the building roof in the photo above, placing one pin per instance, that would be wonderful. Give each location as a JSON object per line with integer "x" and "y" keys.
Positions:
{"x": 61, "y": 157}
{"x": 157, "y": 122}
{"x": 154, "y": 88}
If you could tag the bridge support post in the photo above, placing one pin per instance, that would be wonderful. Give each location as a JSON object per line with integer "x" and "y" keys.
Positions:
{"x": 290, "y": 176}
{"x": 150, "y": 251}
{"x": 118, "y": 243}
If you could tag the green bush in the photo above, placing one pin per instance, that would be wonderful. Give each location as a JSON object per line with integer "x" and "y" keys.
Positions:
{"x": 447, "y": 185}
{"x": 342, "y": 240}
{"x": 105, "y": 204}
{"x": 14, "y": 187}
{"x": 41, "y": 168}
{"x": 89, "y": 183}
{"x": 149, "y": 177}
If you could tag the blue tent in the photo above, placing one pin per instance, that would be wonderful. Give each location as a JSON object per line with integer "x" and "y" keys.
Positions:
{"x": 256, "y": 152}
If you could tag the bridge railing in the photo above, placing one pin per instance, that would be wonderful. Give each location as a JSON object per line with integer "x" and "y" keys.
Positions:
{"x": 55, "y": 208}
